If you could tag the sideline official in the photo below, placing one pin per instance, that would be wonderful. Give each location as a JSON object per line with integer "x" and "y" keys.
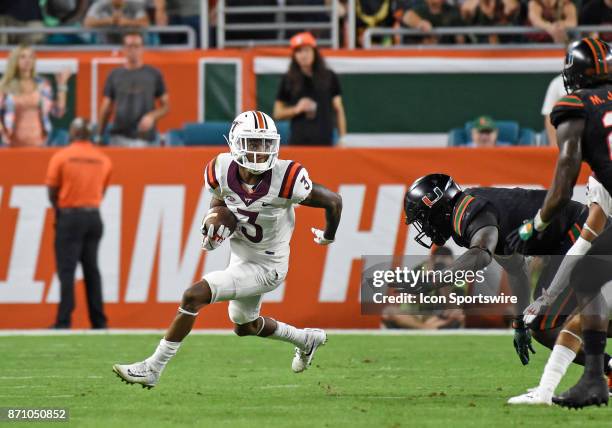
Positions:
{"x": 77, "y": 178}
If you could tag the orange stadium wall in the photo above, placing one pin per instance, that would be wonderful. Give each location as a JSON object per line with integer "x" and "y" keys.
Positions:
{"x": 151, "y": 248}
{"x": 185, "y": 81}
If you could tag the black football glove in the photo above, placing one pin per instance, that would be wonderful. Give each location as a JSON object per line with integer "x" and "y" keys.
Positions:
{"x": 522, "y": 341}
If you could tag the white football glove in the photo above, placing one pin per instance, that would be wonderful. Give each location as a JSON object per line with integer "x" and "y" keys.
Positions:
{"x": 538, "y": 307}
{"x": 213, "y": 240}
{"x": 319, "y": 238}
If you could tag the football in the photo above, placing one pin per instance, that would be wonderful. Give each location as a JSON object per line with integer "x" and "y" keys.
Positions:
{"x": 220, "y": 216}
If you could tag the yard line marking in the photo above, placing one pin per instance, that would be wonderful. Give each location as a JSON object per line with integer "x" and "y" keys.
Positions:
{"x": 278, "y": 386}
{"x": 228, "y": 332}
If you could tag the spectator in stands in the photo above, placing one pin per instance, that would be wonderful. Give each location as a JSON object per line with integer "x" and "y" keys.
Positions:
{"x": 27, "y": 100}
{"x": 556, "y": 89}
{"x": 376, "y": 13}
{"x": 431, "y": 14}
{"x": 156, "y": 12}
{"x": 597, "y": 12}
{"x": 183, "y": 12}
{"x": 489, "y": 13}
{"x": 20, "y": 13}
{"x": 424, "y": 317}
{"x": 485, "y": 133}
{"x": 554, "y": 17}
{"x": 63, "y": 13}
{"x": 132, "y": 91}
{"x": 309, "y": 95}
{"x": 116, "y": 14}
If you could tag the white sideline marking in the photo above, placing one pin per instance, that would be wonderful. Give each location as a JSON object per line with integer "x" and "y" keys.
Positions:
{"x": 228, "y": 332}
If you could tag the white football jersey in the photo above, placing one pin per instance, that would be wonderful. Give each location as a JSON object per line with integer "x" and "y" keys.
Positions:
{"x": 265, "y": 214}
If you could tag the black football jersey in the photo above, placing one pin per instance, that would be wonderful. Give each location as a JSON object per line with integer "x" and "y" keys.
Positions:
{"x": 506, "y": 209}
{"x": 594, "y": 105}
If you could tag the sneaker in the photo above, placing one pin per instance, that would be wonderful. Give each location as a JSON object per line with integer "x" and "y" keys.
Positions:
{"x": 533, "y": 396}
{"x": 137, "y": 373}
{"x": 303, "y": 357}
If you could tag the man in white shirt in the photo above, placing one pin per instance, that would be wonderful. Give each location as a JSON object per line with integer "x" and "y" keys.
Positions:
{"x": 555, "y": 90}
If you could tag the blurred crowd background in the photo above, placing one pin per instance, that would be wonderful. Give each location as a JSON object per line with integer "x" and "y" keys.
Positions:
{"x": 309, "y": 98}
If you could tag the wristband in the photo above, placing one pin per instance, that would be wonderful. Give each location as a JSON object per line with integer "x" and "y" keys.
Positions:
{"x": 538, "y": 223}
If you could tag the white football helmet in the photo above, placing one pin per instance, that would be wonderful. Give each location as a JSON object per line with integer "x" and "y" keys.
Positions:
{"x": 254, "y": 141}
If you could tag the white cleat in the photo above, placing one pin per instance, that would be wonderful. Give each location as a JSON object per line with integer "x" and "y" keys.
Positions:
{"x": 303, "y": 357}
{"x": 533, "y": 396}
{"x": 137, "y": 373}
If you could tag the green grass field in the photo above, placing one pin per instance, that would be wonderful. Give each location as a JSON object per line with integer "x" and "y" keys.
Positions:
{"x": 226, "y": 381}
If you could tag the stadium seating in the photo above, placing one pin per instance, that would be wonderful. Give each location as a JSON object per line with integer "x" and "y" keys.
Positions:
{"x": 510, "y": 133}
{"x": 211, "y": 134}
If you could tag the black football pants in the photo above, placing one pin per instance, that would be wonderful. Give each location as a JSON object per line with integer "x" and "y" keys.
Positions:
{"x": 77, "y": 237}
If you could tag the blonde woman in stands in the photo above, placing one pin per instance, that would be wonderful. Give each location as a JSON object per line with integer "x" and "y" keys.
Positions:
{"x": 27, "y": 101}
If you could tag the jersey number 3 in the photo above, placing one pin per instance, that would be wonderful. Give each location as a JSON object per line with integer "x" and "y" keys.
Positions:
{"x": 607, "y": 121}
{"x": 252, "y": 221}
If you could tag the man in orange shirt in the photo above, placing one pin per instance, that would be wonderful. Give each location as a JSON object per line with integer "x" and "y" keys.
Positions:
{"x": 77, "y": 178}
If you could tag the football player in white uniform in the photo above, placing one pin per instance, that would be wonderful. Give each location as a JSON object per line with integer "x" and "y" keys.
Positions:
{"x": 568, "y": 344}
{"x": 261, "y": 191}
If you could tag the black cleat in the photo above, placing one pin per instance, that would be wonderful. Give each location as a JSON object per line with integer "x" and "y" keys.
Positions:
{"x": 589, "y": 391}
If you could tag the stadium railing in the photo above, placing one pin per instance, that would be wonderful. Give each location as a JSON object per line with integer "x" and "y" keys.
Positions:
{"x": 575, "y": 32}
{"x": 280, "y": 25}
{"x": 88, "y": 32}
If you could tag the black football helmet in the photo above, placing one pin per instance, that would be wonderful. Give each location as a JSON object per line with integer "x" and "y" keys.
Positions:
{"x": 588, "y": 62}
{"x": 428, "y": 205}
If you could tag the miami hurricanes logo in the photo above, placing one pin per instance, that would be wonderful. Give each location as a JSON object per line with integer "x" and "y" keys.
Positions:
{"x": 428, "y": 201}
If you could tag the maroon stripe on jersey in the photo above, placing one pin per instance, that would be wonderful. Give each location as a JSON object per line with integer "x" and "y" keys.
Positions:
{"x": 285, "y": 178}
{"x": 291, "y": 174}
{"x": 293, "y": 180}
{"x": 211, "y": 175}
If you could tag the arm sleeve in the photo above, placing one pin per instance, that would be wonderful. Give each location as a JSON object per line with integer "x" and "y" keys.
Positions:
{"x": 302, "y": 188}
{"x": 335, "y": 85}
{"x": 210, "y": 178}
{"x": 569, "y": 107}
{"x": 467, "y": 218}
{"x": 283, "y": 93}
{"x": 296, "y": 185}
{"x": 160, "y": 84}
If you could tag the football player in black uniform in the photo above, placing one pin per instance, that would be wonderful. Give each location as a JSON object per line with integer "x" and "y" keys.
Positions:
{"x": 583, "y": 121}
{"x": 480, "y": 219}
